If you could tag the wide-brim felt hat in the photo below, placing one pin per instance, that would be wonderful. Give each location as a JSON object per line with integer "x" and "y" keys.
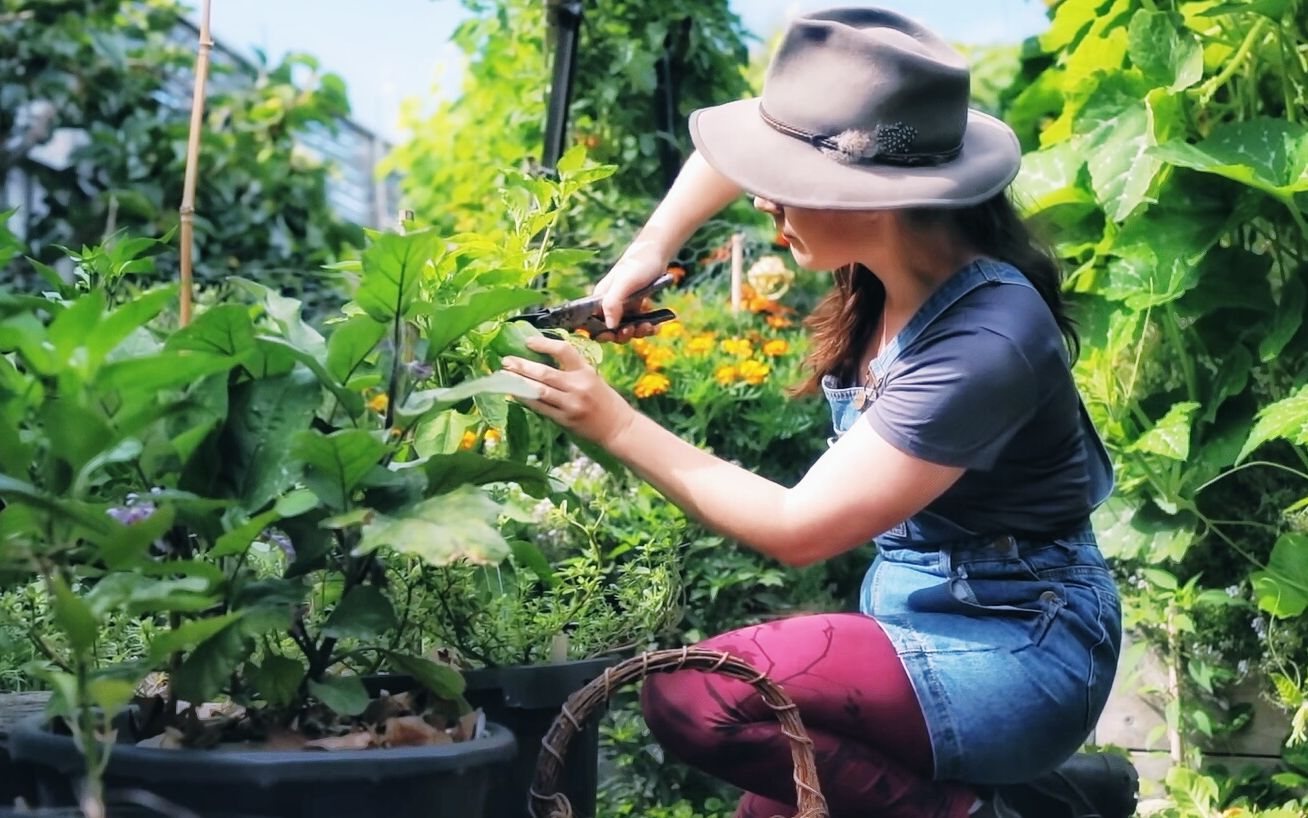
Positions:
{"x": 862, "y": 109}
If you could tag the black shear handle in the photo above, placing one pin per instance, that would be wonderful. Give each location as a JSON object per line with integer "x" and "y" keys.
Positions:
{"x": 595, "y": 324}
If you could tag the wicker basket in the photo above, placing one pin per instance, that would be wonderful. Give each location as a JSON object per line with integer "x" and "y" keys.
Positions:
{"x": 548, "y": 802}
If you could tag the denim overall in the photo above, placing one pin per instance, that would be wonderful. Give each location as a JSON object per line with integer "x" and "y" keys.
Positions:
{"x": 1011, "y": 644}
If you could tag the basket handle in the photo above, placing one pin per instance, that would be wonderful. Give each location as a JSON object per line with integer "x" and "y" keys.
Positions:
{"x": 547, "y": 802}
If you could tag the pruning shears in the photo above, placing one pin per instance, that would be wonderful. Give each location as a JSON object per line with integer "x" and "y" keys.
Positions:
{"x": 584, "y": 313}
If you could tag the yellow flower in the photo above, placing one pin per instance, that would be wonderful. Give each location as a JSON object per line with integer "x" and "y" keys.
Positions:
{"x": 740, "y": 347}
{"x": 493, "y": 436}
{"x": 754, "y": 372}
{"x": 700, "y": 344}
{"x": 777, "y": 321}
{"x": 379, "y": 402}
{"x": 775, "y": 347}
{"x": 760, "y": 304}
{"x": 641, "y": 346}
{"x": 469, "y": 440}
{"x": 726, "y": 374}
{"x": 658, "y": 357}
{"x": 672, "y": 329}
{"x": 652, "y": 384}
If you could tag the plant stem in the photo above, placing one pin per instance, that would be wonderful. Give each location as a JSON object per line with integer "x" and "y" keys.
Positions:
{"x": 187, "y": 209}
{"x": 1207, "y": 90}
{"x": 1173, "y": 328}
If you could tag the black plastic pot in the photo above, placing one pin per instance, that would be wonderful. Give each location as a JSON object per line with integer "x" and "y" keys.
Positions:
{"x": 526, "y": 699}
{"x": 449, "y": 781}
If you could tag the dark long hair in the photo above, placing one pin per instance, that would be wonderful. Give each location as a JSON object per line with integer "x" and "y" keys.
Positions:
{"x": 843, "y": 322}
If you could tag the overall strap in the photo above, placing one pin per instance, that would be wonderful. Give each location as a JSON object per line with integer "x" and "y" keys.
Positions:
{"x": 979, "y": 273}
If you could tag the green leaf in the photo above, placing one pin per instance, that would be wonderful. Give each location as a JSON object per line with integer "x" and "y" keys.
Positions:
{"x": 189, "y": 635}
{"x": 204, "y": 673}
{"x": 263, "y": 420}
{"x": 285, "y": 313}
{"x": 123, "y": 321}
{"x": 350, "y": 343}
{"x": 529, "y": 555}
{"x": 364, "y": 613}
{"x": 420, "y": 404}
{"x": 73, "y": 616}
{"x": 443, "y": 680}
{"x": 1070, "y": 21}
{"x": 225, "y": 330}
{"x": 165, "y": 370}
{"x": 1158, "y": 254}
{"x": 345, "y": 695}
{"x": 450, "y": 322}
{"x": 1170, "y": 436}
{"x": 1286, "y": 418}
{"x": 1050, "y": 178}
{"x": 442, "y": 434}
{"x": 1267, "y": 154}
{"x": 1116, "y": 132}
{"x": 392, "y": 271}
{"x": 1167, "y": 53}
{"x": 1274, "y": 9}
{"x": 238, "y": 540}
{"x": 337, "y": 462}
{"x": 278, "y": 679}
{"x": 449, "y": 471}
{"x": 1282, "y": 589}
{"x": 1288, "y": 319}
{"x": 110, "y": 695}
{"x": 1133, "y": 529}
{"x": 350, "y": 400}
{"x": 460, "y": 524}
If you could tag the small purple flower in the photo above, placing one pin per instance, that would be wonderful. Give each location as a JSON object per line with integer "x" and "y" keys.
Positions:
{"x": 133, "y": 510}
{"x": 420, "y": 371}
{"x": 277, "y": 537}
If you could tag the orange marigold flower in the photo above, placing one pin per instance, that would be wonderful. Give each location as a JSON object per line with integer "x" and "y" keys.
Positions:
{"x": 754, "y": 372}
{"x": 677, "y": 272}
{"x": 672, "y": 329}
{"x": 493, "y": 435}
{"x": 651, "y": 384}
{"x": 726, "y": 374}
{"x": 760, "y": 304}
{"x": 641, "y": 346}
{"x": 379, "y": 402}
{"x": 469, "y": 440}
{"x": 778, "y": 321}
{"x": 701, "y": 344}
{"x": 740, "y": 347}
{"x": 659, "y": 357}
{"x": 775, "y": 347}
{"x": 582, "y": 332}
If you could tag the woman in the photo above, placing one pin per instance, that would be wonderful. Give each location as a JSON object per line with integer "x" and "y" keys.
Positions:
{"x": 990, "y": 627}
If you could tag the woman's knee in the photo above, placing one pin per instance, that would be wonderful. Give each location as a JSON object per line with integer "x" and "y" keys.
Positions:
{"x": 685, "y": 713}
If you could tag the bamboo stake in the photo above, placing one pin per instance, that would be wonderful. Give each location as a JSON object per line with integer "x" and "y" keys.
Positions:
{"x": 187, "y": 210}
{"x": 737, "y": 269}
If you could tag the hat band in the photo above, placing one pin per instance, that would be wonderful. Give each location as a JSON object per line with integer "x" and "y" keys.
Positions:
{"x": 885, "y": 144}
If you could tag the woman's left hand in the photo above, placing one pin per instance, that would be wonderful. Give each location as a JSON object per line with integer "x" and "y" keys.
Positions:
{"x": 573, "y": 395}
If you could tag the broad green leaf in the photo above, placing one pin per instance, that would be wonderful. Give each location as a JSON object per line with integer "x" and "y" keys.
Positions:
{"x": 1050, "y": 177}
{"x": 392, "y": 271}
{"x": 1268, "y": 154}
{"x": 1157, "y": 256}
{"x": 136, "y": 594}
{"x": 460, "y": 524}
{"x": 208, "y": 668}
{"x": 1116, "y": 131}
{"x": 86, "y": 516}
{"x": 350, "y": 400}
{"x": 529, "y": 555}
{"x": 285, "y": 313}
{"x": 572, "y": 159}
{"x": 224, "y": 329}
{"x": 1282, "y": 589}
{"x": 450, "y": 322}
{"x": 190, "y": 634}
{"x": 1275, "y": 9}
{"x": 443, "y": 680}
{"x": 1288, "y": 319}
{"x": 350, "y": 343}
{"x": 337, "y": 462}
{"x": 127, "y": 546}
{"x": 1231, "y": 379}
{"x": 1170, "y": 436}
{"x": 1127, "y": 529}
{"x": 443, "y": 434}
{"x": 166, "y": 370}
{"x": 1286, "y": 418}
{"x": 1071, "y": 19}
{"x": 277, "y": 679}
{"x": 1167, "y": 53}
{"x": 238, "y": 540}
{"x": 73, "y": 616}
{"x": 110, "y": 695}
{"x": 424, "y": 402}
{"x": 69, "y": 330}
{"x": 123, "y": 321}
{"x": 263, "y": 420}
{"x": 493, "y": 408}
{"x": 364, "y": 613}
{"x": 345, "y": 695}
{"x": 448, "y": 471}
{"x": 76, "y": 435}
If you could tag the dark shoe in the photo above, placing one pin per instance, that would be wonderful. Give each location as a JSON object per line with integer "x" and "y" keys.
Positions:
{"x": 1087, "y": 785}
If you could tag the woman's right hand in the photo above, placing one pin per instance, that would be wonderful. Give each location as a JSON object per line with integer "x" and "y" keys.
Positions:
{"x": 639, "y": 266}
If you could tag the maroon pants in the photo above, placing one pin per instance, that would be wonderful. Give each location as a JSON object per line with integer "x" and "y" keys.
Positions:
{"x": 857, "y": 704}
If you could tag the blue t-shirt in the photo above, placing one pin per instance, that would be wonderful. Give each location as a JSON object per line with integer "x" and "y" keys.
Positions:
{"x": 986, "y": 386}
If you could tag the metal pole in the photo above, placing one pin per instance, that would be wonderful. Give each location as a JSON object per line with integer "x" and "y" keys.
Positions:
{"x": 565, "y": 17}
